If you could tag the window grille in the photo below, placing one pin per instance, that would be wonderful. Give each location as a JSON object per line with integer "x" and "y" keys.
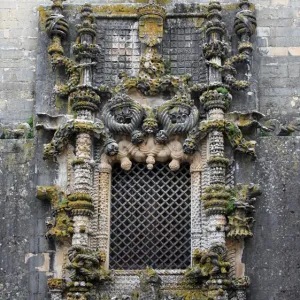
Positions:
{"x": 150, "y": 218}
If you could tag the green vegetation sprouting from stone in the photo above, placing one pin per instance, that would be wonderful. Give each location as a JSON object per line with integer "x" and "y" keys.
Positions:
{"x": 30, "y": 134}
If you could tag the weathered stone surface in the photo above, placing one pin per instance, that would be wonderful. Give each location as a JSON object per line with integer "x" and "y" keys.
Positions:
{"x": 271, "y": 256}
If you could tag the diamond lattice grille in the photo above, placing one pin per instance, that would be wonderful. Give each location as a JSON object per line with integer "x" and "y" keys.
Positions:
{"x": 150, "y": 218}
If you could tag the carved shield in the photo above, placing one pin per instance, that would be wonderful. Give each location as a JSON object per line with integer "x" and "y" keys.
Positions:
{"x": 151, "y": 29}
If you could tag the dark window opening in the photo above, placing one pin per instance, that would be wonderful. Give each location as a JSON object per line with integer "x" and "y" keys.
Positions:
{"x": 150, "y": 218}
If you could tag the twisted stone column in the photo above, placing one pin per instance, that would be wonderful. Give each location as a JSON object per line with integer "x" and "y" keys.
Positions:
{"x": 215, "y": 196}
{"x": 84, "y": 100}
{"x": 215, "y": 106}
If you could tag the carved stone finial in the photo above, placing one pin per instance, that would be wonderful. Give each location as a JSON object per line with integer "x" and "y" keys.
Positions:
{"x": 245, "y": 25}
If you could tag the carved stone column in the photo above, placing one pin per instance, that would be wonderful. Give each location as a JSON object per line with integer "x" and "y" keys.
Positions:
{"x": 196, "y": 210}
{"x": 104, "y": 209}
{"x": 84, "y": 100}
{"x": 215, "y": 196}
{"x": 215, "y": 106}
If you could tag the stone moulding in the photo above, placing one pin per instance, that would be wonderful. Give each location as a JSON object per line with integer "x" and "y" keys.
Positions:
{"x": 107, "y": 126}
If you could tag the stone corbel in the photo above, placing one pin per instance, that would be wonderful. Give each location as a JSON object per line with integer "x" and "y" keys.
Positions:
{"x": 150, "y": 152}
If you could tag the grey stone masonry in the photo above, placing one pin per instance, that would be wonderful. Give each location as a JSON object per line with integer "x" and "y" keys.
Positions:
{"x": 271, "y": 256}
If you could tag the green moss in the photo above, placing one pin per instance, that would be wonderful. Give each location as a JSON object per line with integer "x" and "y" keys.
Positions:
{"x": 198, "y": 22}
{"x": 157, "y": 1}
{"x": 30, "y": 134}
{"x": 51, "y": 193}
{"x": 55, "y": 283}
{"x": 80, "y": 196}
{"x": 43, "y": 15}
{"x": 58, "y": 102}
{"x": 135, "y": 295}
{"x": 222, "y": 90}
{"x": 30, "y": 122}
{"x": 78, "y": 161}
{"x": 116, "y": 9}
{"x": 218, "y": 160}
{"x": 263, "y": 132}
{"x": 63, "y": 228}
{"x": 63, "y": 203}
{"x": 230, "y": 206}
{"x": 192, "y": 295}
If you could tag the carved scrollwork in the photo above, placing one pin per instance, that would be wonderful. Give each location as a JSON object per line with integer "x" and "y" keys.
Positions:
{"x": 57, "y": 25}
{"x": 245, "y": 22}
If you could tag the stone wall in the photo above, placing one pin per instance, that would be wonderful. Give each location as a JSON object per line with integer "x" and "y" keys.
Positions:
{"x": 271, "y": 256}
{"x": 278, "y": 53}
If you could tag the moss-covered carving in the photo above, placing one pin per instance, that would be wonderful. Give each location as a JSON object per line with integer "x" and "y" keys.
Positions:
{"x": 85, "y": 265}
{"x": 85, "y": 269}
{"x": 56, "y": 284}
{"x": 231, "y": 130}
{"x": 81, "y": 204}
{"x": 240, "y": 221}
{"x": 65, "y": 132}
{"x": 60, "y": 227}
{"x": 122, "y": 115}
{"x": 120, "y": 10}
{"x": 216, "y": 199}
{"x": 207, "y": 264}
{"x": 19, "y": 131}
{"x": 151, "y": 18}
{"x": 150, "y": 287}
{"x": 150, "y": 123}
{"x": 218, "y": 98}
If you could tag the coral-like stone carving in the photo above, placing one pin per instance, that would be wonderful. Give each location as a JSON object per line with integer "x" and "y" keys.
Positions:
{"x": 85, "y": 269}
{"x": 231, "y": 130}
{"x": 64, "y": 133}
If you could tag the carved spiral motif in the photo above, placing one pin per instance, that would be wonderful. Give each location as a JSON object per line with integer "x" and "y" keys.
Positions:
{"x": 122, "y": 115}
{"x": 177, "y": 117}
{"x": 56, "y": 24}
{"x": 245, "y": 23}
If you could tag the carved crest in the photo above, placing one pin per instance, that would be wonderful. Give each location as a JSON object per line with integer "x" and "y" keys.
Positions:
{"x": 151, "y": 30}
{"x": 151, "y": 24}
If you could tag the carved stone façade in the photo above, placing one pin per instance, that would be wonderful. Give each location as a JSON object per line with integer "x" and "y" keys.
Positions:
{"x": 172, "y": 131}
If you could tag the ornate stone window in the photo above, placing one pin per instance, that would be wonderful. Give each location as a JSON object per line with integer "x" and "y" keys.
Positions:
{"x": 147, "y": 181}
